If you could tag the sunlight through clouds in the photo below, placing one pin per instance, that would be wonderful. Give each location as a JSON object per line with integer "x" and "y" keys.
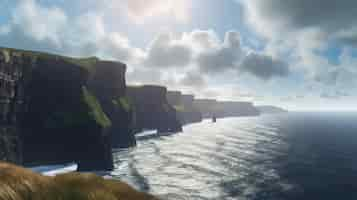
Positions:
{"x": 140, "y": 10}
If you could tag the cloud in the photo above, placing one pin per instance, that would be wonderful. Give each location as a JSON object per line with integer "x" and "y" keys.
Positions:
{"x": 225, "y": 56}
{"x": 329, "y": 16}
{"x": 40, "y": 23}
{"x": 334, "y": 95}
{"x": 48, "y": 28}
{"x": 263, "y": 66}
{"x": 142, "y": 10}
{"x": 193, "y": 79}
{"x": 165, "y": 52}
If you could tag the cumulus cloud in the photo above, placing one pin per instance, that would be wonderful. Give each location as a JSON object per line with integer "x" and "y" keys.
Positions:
{"x": 165, "y": 52}
{"x": 141, "y": 10}
{"x": 48, "y": 28}
{"x": 329, "y": 16}
{"x": 225, "y": 56}
{"x": 40, "y": 23}
{"x": 263, "y": 66}
{"x": 193, "y": 79}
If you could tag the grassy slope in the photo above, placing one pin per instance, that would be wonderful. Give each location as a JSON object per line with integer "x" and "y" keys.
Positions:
{"x": 20, "y": 184}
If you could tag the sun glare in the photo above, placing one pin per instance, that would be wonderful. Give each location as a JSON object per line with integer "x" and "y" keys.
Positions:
{"x": 139, "y": 11}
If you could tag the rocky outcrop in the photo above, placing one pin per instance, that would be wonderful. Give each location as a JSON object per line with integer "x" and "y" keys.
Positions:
{"x": 108, "y": 84}
{"x": 47, "y": 108}
{"x": 186, "y": 111}
{"x": 271, "y": 110}
{"x": 20, "y": 184}
{"x": 152, "y": 109}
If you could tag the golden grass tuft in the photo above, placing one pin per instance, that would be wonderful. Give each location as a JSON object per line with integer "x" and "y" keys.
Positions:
{"x": 17, "y": 183}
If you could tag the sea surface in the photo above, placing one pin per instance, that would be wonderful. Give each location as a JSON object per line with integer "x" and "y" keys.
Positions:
{"x": 299, "y": 156}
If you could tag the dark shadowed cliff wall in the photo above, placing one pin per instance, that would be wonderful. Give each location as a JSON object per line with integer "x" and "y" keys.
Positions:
{"x": 52, "y": 112}
{"x": 108, "y": 84}
{"x": 152, "y": 109}
{"x": 186, "y": 111}
{"x": 10, "y": 100}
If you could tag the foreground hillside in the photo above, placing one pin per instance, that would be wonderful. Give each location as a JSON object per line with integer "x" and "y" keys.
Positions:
{"x": 20, "y": 184}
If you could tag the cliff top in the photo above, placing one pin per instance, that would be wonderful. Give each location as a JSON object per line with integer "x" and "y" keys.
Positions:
{"x": 88, "y": 63}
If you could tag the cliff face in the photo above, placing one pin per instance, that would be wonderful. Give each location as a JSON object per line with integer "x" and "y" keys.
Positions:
{"x": 152, "y": 109}
{"x": 191, "y": 114}
{"x": 10, "y": 145}
{"x": 53, "y": 113}
{"x": 108, "y": 84}
{"x": 186, "y": 111}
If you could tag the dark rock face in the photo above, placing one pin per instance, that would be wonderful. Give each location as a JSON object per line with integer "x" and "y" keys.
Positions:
{"x": 10, "y": 105}
{"x": 152, "y": 109}
{"x": 10, "y": 146}
{"x": 186, "y": 111}
{"x": 108, "y": 84}
{"x": 174, "y": 97}
{"x": 55, "y": 116}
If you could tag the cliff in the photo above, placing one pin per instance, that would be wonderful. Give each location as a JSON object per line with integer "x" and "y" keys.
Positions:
{"x": 207, "y": 107}
{"x": 186, "y": 111}
{"x": 220, "y": 109}
{"x": 152, "y": 109}
{"x": 20, "y": 184}
{"x": 235, "y": 109}
{"x": 47, "y": 108}
{"x": 271, "y": 110}
{"x": 109, "y": 85}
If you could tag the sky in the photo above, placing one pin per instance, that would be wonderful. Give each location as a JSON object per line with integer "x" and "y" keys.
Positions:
{"x": 297, "y": 54}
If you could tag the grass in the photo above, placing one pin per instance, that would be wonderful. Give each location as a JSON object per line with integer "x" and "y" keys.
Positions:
{"x": 179, "y": 108}
{"x": 95, "y": 109}
{"x": 124, "y": 102}
{"x": 17, "y": 183}
{"x": 86, "y": 63}
{"x": 89, "y": 112}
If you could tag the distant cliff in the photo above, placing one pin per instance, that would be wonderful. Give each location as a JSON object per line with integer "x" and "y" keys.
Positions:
{"x": 50, "y": 113}
{"x": 271, "y": 110}
{"x": 235, "y": 109}
{"x": 207, "y": 107}
{"x": 186, "y": 111}
{"x": 152, "y": 110}
{"x": 220, "y": 109}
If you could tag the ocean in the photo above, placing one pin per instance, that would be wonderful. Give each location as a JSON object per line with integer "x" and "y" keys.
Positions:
{"x": 271, "y": 157}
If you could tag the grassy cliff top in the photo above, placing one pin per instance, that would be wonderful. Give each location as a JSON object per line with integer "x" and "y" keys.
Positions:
{"x": 88, "y": 63}
{"x": 96, "y": 111}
